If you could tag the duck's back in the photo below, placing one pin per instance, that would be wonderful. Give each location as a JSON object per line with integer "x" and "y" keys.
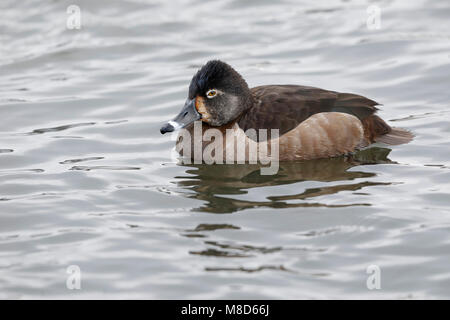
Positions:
{"x": 316, "y": 123}
{"x": 284, "y": 107}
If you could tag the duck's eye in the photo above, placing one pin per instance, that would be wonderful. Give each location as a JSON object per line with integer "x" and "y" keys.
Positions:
{"x": 211, "y": 93}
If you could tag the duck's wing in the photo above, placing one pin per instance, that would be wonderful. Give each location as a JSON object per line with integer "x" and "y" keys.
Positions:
{"x": 284, "y": 107}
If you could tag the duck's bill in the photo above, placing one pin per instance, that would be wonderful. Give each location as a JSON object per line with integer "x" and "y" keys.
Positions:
{"x": 187, "y": 115}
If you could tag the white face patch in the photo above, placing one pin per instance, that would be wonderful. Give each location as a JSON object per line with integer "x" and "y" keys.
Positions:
{"x": 175, "y": 124}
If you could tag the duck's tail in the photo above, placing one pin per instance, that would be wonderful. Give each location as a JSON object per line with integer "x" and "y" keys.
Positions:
{"x": 376, "y": 130}
{"x": 396, "y": 136}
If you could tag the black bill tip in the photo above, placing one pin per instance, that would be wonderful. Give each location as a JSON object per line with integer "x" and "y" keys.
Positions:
{"x": 166, "y": 128}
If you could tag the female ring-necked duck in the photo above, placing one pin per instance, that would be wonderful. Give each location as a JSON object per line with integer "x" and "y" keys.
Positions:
{"x": 313, "y": 123}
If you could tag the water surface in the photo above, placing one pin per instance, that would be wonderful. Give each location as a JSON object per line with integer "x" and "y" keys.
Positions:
{"x": 87, "y": 179}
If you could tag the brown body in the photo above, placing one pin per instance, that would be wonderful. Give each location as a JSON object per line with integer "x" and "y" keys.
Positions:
{"x": 313, "y": 123}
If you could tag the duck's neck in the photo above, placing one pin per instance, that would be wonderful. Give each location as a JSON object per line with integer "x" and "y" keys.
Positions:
{"x": 247, "y": 101}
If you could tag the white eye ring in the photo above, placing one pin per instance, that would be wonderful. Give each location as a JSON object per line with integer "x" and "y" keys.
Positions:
{"x": 211, "y": 93}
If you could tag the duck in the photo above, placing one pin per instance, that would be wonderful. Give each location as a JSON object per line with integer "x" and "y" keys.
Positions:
{"x": 311, "y": 123}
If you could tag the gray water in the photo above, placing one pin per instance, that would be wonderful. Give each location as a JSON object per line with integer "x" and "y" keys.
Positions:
{"x": 87, "y": 179}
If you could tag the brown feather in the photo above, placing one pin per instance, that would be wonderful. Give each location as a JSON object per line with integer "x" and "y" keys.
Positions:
{"x": 284, "y": 107}
{"x": 376, "y": 130}
{"x": 396, "y": 136}
{"x": 374, "y": 127}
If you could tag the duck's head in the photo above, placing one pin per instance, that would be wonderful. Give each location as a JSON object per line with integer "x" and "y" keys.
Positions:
{"x": 217, "y": 96}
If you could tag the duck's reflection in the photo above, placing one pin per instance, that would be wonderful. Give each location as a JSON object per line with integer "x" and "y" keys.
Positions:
{"x": 215, "y": 183}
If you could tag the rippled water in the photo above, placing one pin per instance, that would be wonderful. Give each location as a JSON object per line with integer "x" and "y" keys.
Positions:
{"x": 87, "y": 179}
